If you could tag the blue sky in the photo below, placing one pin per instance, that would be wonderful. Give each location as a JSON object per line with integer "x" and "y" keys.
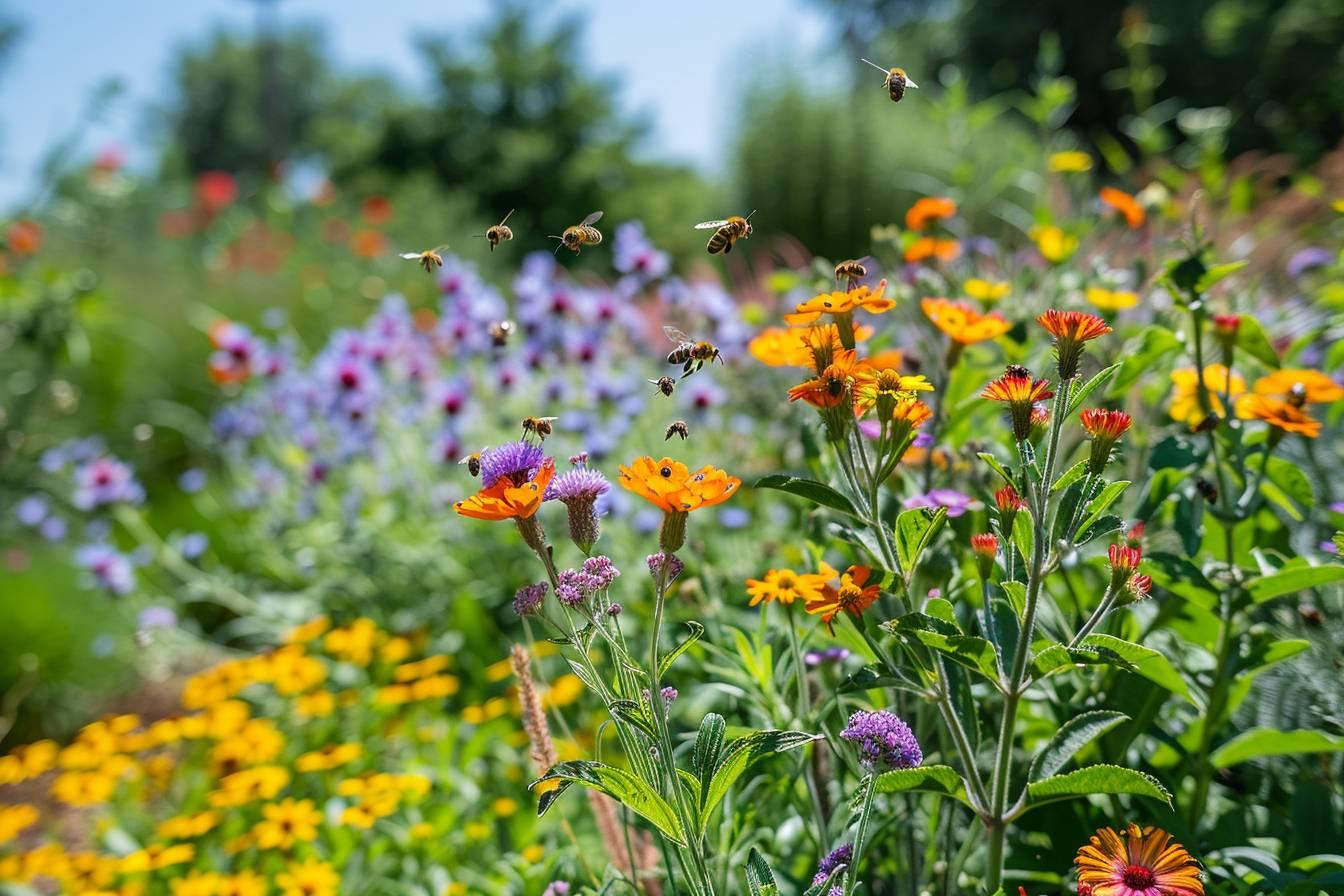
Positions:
{"x": 673, "y": 59}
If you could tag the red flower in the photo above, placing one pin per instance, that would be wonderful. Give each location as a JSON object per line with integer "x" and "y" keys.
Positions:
{"x": 216, "y": 190}
{"x": 1125, "y": 204}
{"x": 1106, "y": 428}
{"x": 1020, "y": 392}
{"x": 1071, "y": 329}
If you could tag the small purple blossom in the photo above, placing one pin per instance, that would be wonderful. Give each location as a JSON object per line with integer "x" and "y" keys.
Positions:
{"x": 527, "y": 601}
{"x": 111, "y": 568}
{"x": 556, "y": 888}
{"x": 581, "y": 484}
{"x": 518, "y": 461}
{"x": 191, "y": 481}
{"x": 674, "y": 565}
{"x": 1307, "y": 259}
{"x": 614, "y": 610}
{"x": 574, "y": 587}
{"x": 157, "y": 617}
{"x": 734, "y": 517}
{"x": 829, "y": 655}
{"x": 32, "y": 510}
{"x": 600, "y": 570}
{"x": 193, "y": 545}
{"x": 53, "y": 528}
{"x": 837, "y": 858}
{"x": 955, "y": 502}
{"x": 105, "y": 480}
{"x": 884, "y": 741}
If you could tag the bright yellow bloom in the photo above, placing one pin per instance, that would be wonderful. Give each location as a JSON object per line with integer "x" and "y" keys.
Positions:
{"x": 293, "y": 671}
{"x": 83, "y": 788}
{"x": 987, "y": 290}
{"x": 477, "y": 830}
{"x": 1069, "y": 162}
{"x": 786, "y": 586}
{"x": 562, "y": 692}
{"x": 317, "y": 704}
{"x": 839, "y": 303}
{"x": 196, "y": 883}
{"x": 245, "y": 883}
{"x": 1111, "y": 300}
{"x": 358, "y": 817}
{"x": 309, "y": 631}
{"x": 1054, "y": 244}
{"x": 15, "y": 818}
{"x": 1185, "y": 404}
{"x": 329, "y": 757}
{"x": 250, "y": 785}
{"x": 312, "y": 878}
{"x": 28, "y": 761}
{"x": 287, "y": 822}
{"x": 258, "y": 741}
{"x": 156, "y": 856}
{"x": 185, "y": 827}
{"x": 504, "y": 807}
{"x": 354, "y": 643}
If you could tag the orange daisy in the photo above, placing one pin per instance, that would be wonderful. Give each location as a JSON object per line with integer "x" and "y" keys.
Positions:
{"x": 503, "y": 500}
{"x": 1125, "y": 204}
{"x": 851, "y": 596}
{"x": 834, "y": 386}
{"x": 962, "y": 323}
{"x": 929, "y": 210}
{"x": 1310, "y": 386}
{"x": 1282, "y": 415}
{"x": 792, "y": 346}
{"x": 1139, "y": 862}
{"x": 786, "y": 586}
{"x": 1071, "y": 329}
{"x": 927, "y": 247}
{"x": 861, "y": 297}
{"x": 670, "y": 486}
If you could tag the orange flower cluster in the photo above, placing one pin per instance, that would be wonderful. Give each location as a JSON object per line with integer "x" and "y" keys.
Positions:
{"x": 964, "y": 324}
{"x": 671, "y": 486}
{"x": 503, "y": 500}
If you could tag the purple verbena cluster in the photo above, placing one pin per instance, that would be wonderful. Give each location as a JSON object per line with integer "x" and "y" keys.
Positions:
{"x": 842, "y": 855}
{"x": 884, "y": 741}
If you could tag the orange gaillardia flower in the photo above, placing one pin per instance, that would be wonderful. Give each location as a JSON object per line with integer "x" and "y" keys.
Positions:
{"x": 504, "y": 500}
{"x": 927, "y": 247}
{"x": 1312, "y": 386}
{"x": 851, "y": 596}
{"x": 793, "y": 346}
{"x": 1284, "y": 416}
{"x": 834, "y": 386}
{"x": 963, "y": 324}
{"x": 1125, "y": 204}
{"x": 1071, "y": 329}
{"x": 671, "y": 487}
{"x": 1105, "y": 428}
{"x": 786, "y": 586}
{"x": 1139, "y": 862}
{"x": 842, "y": 303}
{"x": 1020, "y": 392}
{"x": 929, "y": 210}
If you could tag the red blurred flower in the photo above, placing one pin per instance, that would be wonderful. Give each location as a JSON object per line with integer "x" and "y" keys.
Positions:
{"x": 24, "y": 237}
{"x": 216, "y": 190}
{"x": 376, "y": 210}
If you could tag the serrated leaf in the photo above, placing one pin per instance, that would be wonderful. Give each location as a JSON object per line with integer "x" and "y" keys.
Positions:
{"x": 1069, "y": 476}
{"x": 816, "y": 492}
{"x": 1291, "y": 581}
{"x": 666, "y": 662}
{"x": 975, "y": 654}
{"x": 760, "y": 879}
{"x": 1086, "y": 389}
{"x": 633, "y": 713}
{"x": 1147, "y": 662}
{"x": 1095, "y": 779}
{"x": 738, "y": 755}
{"x": 1257, "y": 743}
{"x": 1071, "y": 737}
{"x": 1102, "y": 502}
{"x": 997, "y": 467}
{"x": 940, "y": 779}
{"x": 616, "y": 783}
{"x": 915, "y": 531}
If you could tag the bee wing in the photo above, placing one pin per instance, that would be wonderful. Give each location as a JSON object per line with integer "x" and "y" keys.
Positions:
{"x": 909, "y": 83}
{"x": 676, "y": 335}
{"x": 591, "y": 219}
{"x": 468, "y": 458}
{"x": 411, "y": 254}
{"x": 711, "y": 225}
{"x": 547, "y": 419}
{"x": 506, "y": 217}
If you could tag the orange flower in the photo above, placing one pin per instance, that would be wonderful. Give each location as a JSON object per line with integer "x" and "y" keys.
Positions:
{"x": 670, "y": 486}
{"x": 835, "y": 385}
{"x": 1278, "y": 414}
{"x": 861, "y": 297}
{"x": 24, "y": 237}
{"x": 914, "y": 413}
{"x": 368, "y": 244}
{"x": 1125, "y": 204}
{"x": 927, "y": 247}
{"x": 1141, "y": 862}
{"x": 962, "y": 323}
{"x": 504, "y": 500}
{"x": 1017, "y": 389}
{"x": 785, "y": 586}
{"x": 1071, "y": 330}
{"x": 792, "y": 347}
{"x": 851, "y": 597}
{"x": 929, "y": 210}
{"x": 887, "y": 387}
{"x": 1311, "y": 386}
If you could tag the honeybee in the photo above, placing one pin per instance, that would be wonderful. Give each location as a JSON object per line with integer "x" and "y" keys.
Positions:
{"x": 689, "y": 352}
{"x": 850, "y": 270}
{"x": 580, "y": 235}
{"x": 896, "y": 82}
{"x": 678, "y": 428}
{"x": 665, "y": 384}
{"x": 726, "y": 232}
{"x": 429, "y": 259}
{"x": 473, "y": 462}
{"x": 500, "y": 331}
{"x": 538, "y": 426}
{"x": 499, "y": 232}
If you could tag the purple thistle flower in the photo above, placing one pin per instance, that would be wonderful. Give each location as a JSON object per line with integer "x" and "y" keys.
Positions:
{"x": 105, "y": 480}
{"x": 669, "y": 694}
{"x": 519, "y": 461}
{"x": 600, "y": 570}
{"x": 528, "y": 599}
{"x": 574, "y": 587}
{"x": 614, "y": 610}
{"x": 111, "y": 568}
{"x": 842, "y": 855}
{"x": 579, "y": 490}
{"x": 884, "y": 741}
{"x": 674, "y": 565}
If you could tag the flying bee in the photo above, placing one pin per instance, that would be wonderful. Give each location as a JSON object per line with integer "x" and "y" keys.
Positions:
{"x": 689, "y": 352}
{"x": 850, "y": 270}
{"x": 896, "y": 82}
{"x": 429, "y": 259}
{"x": 726, "y": 232}
{"x": 473, "y": 462}
{"x": 540, "y": 426}
{"x": 665, "y": 384}
{"x": 499, "y": 232}
{"x": 580, "y": 235}
{"x": 500, "y": 331}
{"x": 678, "y": 428}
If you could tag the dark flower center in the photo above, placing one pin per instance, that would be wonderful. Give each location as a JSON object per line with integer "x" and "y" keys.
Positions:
{"x": 666, "y": 472}
{"x": 1138, "y": 877}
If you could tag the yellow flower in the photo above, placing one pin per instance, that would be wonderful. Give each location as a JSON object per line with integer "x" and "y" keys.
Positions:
{"x": 312, "y": 878}
{"x": 1185, "y": 404}
{"x": 504, "y": 807}
{"x": 358, "y": 817}
{"x": 309, "y": 631}
{"x": 28, "y": 761}
{"x": 329, "y": 757}
{"x": 563, "y": 691}
{"x": 185, "y": 827}
{"x": 354, "y": 643}
{"x": 1054, "y": 244}
{"x": 395, "y": 650}
{"x": 1111, "y": 300}
{"x": 477, "y": 830}
{"x": 316, "y": 704}
{"x": 534, "y": 853}
{"x": 870, "y": 299}
{"x": 196, "y": 883}
{"x": 987, "y": 290}
{"x": 83, "y": 788}
{"x": 15, "y": 818}
{"x": 245, "y": 883}
{"x": 785, "y": 586}
{"x": 287, "y": 822}
{"x": 435, "y": 687}
{"x": 258, "y": 741}
{"x": 249, "y": 785}
{"x": 1069, "y": 162}
{"x": 422, "y": 831}
{"x": 293, "y": 671}
{"x": 156, "y": 856}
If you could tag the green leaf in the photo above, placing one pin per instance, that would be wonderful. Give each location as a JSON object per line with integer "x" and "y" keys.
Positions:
{"x": 1024, "y": 534}
{"x": 1287, "y": 486}
{"x": 816, "y": 492}
{"x": 708, "y": 748}
{"x": 915, "y": 531}
{"x": 740, "y": 754}
{"x": 666, "y": 662}
{"x": 1095, "y": 779}
{"x": 1217, "y": 273}
{"x": 1102, "y": 502}
{"x": 616, "y": 783}
{"x": 1291, "y": 581}
{"x": 940, "y": 779}
{"x": 1175, "y": 452}
{"x": 1070, "y": 476}
{"x": 634, "y": 713}
{"x": 760, "y": 879}
{"x": 867, "y": 678}
{"x": 1103, "y": 525}
{"x": 1071, "y": 737}
{"x": 1016, "y": 592}
{"x": 1078, "y": 397}
{"x": 1155, "y": 343}
{"x": 997, "y": 467}
{"x": 975, "y": 654}
{"x": 1147, "y": 662}
{"x": 1252, "y": 339}
{"x": 1257, "y": 743}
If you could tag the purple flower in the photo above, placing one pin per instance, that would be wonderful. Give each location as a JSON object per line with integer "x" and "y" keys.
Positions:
{"x": 600, "y": 570}
{"x": 32, "y": 510}
{"x": 955, "y": 502}
{"x": 105, "y": 480}
{"x": 829, "y": 655}
{"x": 734, "y": 518}
{"x": 556, "y": 888}
{"x": 191, "y": 481}
{"x": 884, "y": 741}
{"x": 519, "y": 461}
{"x": 110, "y": 568}
{"x": 674, "y": 565}
{"x": 1306, "y": 259}
{"x": 837, "y": 858}
{"x": 528, "y": 599}
{"x": 632, "y": 253}
{"x": 193, "y": 545}
{"x": 577, "y": 485}
{"x": 574, "y": 587}
{"x": 53, "y": 528}
{"x": 157, "y": 617}
{"x": 614, "y": 610}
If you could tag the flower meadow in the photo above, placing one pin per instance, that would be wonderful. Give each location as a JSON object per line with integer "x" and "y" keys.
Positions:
{"x": 979, "y": 565}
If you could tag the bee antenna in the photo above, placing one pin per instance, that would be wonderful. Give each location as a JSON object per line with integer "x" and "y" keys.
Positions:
{"x": 753, "y": 211}
{"x": 506, "y": 217}
{"x": 874, "y": 65}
